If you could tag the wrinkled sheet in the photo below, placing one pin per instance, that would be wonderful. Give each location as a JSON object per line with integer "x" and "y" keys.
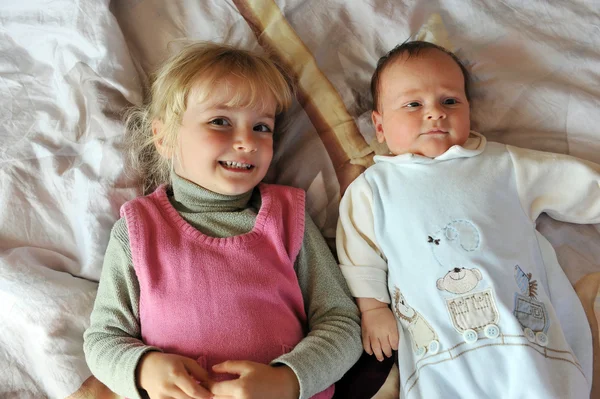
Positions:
{"x": 65, "y": 76}
{"x": 68, "y": 69}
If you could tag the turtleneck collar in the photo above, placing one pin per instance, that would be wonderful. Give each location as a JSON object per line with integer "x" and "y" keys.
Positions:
{"x": 474, "y": 145}
{"x": 190, "y": 197}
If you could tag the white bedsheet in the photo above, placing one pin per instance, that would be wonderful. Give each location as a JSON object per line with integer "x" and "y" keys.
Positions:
{"x": 68, "y": 68}
{"x": 65, "y": 75}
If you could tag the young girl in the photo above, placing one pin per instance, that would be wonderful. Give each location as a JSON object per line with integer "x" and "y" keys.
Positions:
{"x": 218, "y": 285}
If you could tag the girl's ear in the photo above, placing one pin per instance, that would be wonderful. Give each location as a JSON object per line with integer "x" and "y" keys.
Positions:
{"x": 377, "y": 119}
{"x": 158, "y": 131}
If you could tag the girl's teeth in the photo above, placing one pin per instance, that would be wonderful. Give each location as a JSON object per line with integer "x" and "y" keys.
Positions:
{"x": 238, "y": 165}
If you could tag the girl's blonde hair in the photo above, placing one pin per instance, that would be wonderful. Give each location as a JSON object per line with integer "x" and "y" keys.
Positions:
{"x": 198, "y": 65}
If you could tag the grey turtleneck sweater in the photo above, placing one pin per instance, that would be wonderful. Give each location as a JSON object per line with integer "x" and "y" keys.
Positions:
{"x": 113, "y": 345}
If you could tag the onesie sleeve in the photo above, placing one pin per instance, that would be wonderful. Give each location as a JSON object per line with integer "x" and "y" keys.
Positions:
{"x": 333, "y": 343}
{"x": 361, "y": 260}
{"x": 564, "y": 187}
{"x": 112, "y": 343}
{"x": 567, "y": 189}
{"x": 572, "y": 317}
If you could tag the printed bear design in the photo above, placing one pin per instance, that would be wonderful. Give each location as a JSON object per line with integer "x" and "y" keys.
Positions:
{"x": 469, "y": 311}
{"x": 472, "y": 311}
{"x": 459, "y": 281}
{"x": 530, "y": 312}
{"x": 424, "y": 339}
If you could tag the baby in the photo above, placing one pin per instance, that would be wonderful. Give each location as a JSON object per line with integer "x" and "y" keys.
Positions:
{"x": 442, "y": 231}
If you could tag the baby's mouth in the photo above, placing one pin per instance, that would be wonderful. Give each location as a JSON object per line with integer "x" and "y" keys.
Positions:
{"x": 236, "y": 165}
{"x": 435, "y": 131}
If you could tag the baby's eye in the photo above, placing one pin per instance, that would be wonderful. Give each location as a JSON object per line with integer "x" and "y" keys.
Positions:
{"x": 262, "y": 128}
{"x": 219, "y": 122}
{"x": 450, "y": 101}
{"x": 413, "y": 104}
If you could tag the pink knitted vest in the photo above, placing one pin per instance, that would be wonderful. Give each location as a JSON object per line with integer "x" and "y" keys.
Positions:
{"x": 216, "y": 299}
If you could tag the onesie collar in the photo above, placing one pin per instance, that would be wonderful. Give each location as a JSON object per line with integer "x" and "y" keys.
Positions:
{"x": 474, "y": 146}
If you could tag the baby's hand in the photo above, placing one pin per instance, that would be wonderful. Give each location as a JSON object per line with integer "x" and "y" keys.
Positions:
{"x": 256, "y": 381}
{"x": 379, "y": 332}
{"x": 172, "y": 376}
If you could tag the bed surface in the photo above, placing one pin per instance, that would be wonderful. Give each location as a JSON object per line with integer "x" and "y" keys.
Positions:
{"x": 69, "y": 68}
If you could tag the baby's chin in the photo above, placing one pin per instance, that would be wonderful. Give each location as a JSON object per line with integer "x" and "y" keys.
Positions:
{"x": 429, "y": 146}
{"x": 435, "y": 148}
{"x": 433, "y": 151}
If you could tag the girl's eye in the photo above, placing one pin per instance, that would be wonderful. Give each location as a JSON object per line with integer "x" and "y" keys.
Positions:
{"x": 262, "y": 128}
{"x": 450, "y": 101}
{"x": 413, "y": 104}
{"x": 220, "y": 122}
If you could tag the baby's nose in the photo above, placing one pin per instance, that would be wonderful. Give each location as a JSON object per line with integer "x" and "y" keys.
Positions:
{"x": 435, "y": 113}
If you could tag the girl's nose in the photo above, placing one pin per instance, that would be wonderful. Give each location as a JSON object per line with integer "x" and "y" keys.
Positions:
{"x": 245, "y": 142}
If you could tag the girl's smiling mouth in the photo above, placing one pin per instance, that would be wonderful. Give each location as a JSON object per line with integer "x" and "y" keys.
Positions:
{"x": 236, "y": 166}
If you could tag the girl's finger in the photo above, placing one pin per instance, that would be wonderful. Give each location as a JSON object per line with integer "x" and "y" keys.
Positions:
{"x": 176, "y": 393}
{"x": 237, "y": 367}
{"x": 192, "y": 389}
{"x": 196, "y": 371}
{"x": 191, "y": 384}
{"x": 224, "y": 389}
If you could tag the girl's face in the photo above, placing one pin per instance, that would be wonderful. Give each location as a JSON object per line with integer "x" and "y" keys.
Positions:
{"x": 225, "y": 149}
{"x": 423, "y": 106}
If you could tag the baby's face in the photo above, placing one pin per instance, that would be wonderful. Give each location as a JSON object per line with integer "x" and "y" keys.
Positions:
{"x": 423, "y": 108}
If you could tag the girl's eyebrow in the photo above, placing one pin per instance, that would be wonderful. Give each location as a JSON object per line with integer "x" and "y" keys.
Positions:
{"x": 222, "y": 107}
{"x": 269, "y": 115}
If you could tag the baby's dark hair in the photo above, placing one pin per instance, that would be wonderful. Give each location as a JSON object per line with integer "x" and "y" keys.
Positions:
{"x": 412, "y": 49}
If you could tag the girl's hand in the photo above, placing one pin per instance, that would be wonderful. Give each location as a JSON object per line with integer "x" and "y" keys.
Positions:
{"x": 256, "y": 381}
{"x": 379, "y": 332}
{"x": 172, "y": 376}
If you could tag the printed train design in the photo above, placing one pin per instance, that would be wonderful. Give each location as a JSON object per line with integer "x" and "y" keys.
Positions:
{"x": 530, "y": 312}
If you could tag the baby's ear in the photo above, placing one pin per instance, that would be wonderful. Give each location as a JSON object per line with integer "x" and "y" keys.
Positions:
{"x": 377, "y": 119}
{"x": 158, "y": 131}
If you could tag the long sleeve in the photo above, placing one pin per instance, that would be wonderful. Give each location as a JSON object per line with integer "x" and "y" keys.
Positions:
{"x": 573, "y": 319}
{"x": 361, "y": 260}
{"x": 333, "y": 343}
{"x": 566, "y": 188}
{"x": 112, "y": 343}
